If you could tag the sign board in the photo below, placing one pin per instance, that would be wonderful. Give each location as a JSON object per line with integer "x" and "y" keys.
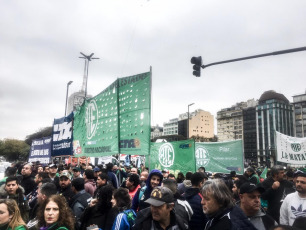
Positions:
{"x": 41, "y": 150}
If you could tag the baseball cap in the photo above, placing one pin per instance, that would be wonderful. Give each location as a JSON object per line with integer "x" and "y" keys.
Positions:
{"x": 299, "y": 173}
{"x": 76, "y": 169}
{"x": 66, "y": 174}
{"x": 165, "y": 171}
{"x": 159, "y": 196}
{"x": 53, "y": 166}
{"x": 249, "y": 187}
{"x": 96, "y": 169}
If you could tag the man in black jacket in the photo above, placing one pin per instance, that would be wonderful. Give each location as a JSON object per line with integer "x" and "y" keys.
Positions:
{"x": 274, "y": 190}
{"x": 27, "y": 181}
{"x": 161, "y": 214}
{"x": 194, "y": 198}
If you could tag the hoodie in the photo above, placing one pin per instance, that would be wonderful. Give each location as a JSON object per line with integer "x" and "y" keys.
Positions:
{"x": 138, "y": 202}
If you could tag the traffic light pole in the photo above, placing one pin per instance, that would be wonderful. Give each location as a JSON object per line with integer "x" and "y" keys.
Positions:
{"x": 257, "y": 56}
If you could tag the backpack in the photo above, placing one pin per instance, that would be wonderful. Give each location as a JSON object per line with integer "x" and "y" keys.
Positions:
{"x": 141, "y": 192}
{"x": 131, "y": 217}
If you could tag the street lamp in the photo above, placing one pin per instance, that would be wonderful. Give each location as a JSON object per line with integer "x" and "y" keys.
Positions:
{"x": 87, "y": 58}
{"x": 188, "y": 120}
{"x": 69, "y": 83}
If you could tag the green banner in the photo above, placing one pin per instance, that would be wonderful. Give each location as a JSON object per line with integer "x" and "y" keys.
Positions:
{"x": 175, "y": 156}
{"x": 220, "y": 156}
{"x": 115, "y": 121}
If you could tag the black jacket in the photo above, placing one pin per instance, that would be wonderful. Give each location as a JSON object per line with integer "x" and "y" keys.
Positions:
{"x": 28, "y": 184}
{"x": 229, "y": 219}
{"x": 198, "y": 219}
{"x": 274, "y": 197}
{"x": 144, "y": 220}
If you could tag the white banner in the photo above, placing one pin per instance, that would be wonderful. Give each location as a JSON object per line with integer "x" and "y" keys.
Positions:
{"x": 291, "y": 150}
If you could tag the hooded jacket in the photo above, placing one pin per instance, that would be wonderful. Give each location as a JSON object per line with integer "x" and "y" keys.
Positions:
{"x": 198, "y": 219}
{"x": 144, "y": 193}
{"x": 20, "y": 200}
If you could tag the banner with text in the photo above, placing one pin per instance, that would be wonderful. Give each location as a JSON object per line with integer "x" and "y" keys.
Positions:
{"x": 291, "y": 150}
{"x": 62, "y": 136}
{"x": 175, "y": 156}
{"x": 115, "y": 121}
{"x": 41, "y": 150}
{"x": 220, "y": 156}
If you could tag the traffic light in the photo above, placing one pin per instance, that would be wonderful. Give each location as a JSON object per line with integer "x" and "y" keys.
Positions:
{"x": 197, "y": 61}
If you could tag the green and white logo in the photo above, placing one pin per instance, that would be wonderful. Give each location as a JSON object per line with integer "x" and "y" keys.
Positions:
{"x": 166, "y": 155}
{"x": 202, "y": 156}
{"x": 91, "y": 119}
{"x": 296, "y": 147}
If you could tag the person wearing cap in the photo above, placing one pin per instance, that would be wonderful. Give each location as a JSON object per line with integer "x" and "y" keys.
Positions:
{"x": 274, "y": 190}
{"x": 161, "y": 213}
{"x": 250, "y": 204}
{"x": 76, "y": 173}
{"x": 294, "y": 205}
{"x": 219, "y": 208}
{"x": 96, "y": 171}
{"x": 154, "y": 179}
{"x": 53, "y": 176}
{"x": 65, "y": 185}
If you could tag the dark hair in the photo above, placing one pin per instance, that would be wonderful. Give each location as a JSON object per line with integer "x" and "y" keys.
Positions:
{"x": 46, "y": 180}
{"x": 188, "y": 175}
{"x": 103, "y": 176}
{"x": 123, "y": 199}
{"x": 43, "y": 175}
{"x": 170, "y": 184}
{"x": 250, "y": 169}
{"x": 299, "y": 222}
{"x": 196, "y": 178}
{"x": 65, "y": 217}
{"x": 171, "y": 175}
{"x": 134, "y": 178}
{"x": 104, "y": 199}
{"x": 275, "y": 170}
{"x": 109, "y": 166}
{"x": 201, "y": 168}
{"x": 10, "y": 171}
{"x": 241, "y": 180}
{"x": 78, "y": 184}
{"x": 12, "y": 178}
{"x": 48, "y": 189}
{"x": 89, "y": 174}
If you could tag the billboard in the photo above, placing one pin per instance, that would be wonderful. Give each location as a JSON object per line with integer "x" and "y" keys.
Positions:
{"x": 115, "y": 121}
{"x": 41, "y": 150}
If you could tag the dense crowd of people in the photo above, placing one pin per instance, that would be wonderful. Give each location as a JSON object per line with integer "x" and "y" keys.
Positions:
{"x": 111, "y": 197}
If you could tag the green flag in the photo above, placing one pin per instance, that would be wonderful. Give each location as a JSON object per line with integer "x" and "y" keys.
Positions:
{"x": 263, "y": 175}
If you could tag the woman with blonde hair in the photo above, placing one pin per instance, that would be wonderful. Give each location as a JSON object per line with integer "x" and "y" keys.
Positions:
{"x": 54, "y": 214}
{"x": 10, "y": 218}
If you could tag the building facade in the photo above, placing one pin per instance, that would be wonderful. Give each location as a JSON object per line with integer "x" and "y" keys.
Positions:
{"x": 156, "y": 131}
{"x": 171, "y": 127}
{"x": 230, "y": 121}
{"x": 201, "y": 124}
{"x": 273, "y": 113}
{"x": 299, "y": 105}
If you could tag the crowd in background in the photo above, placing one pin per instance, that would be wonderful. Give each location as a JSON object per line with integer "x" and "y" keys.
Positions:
{"x": 81, "y": 197}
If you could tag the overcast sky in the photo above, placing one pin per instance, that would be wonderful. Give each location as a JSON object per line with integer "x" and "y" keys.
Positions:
{"x": 40, "y": 41}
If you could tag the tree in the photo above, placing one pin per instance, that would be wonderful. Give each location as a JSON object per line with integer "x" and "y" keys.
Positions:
{"x": 14, "y": 150}
{"x": 43, "y": 132}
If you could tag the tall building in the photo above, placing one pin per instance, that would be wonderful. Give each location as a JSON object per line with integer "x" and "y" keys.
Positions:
{"x": 171, "y": 127}
{"x": 273, "y": 113}
{"x": 299, "y": 103}
{"x": 230, "y": 121}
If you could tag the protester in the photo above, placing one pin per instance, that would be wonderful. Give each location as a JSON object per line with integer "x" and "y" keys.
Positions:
{"x": 294, "y": 204}
{"x": 194, "y": 198}
{"x": 160, "y": 214}
{"x": 53, "y": 175}
{"x": 65, "y": 185}
{"x": 180, "y": 178}
{"x": 80, "y": 200}
{"x": 54, "y": 214}
{"x": 253, "y": 177}
{"x": 90, "y": 184}
{"x": 274, "y": 189}
{"x": 10, "y": 218}
{"x": 101, "y": 181}
{"x": 186, "y": 183}
{"x": 132, "y": 184}
{"x": 154, "y": 179}
{"x": 112, "y": 177}
{"x": 165, "y": 173}
{"x": 12, "y": 190}
{"x": 218, "y": 206}
{"x": 27, "y": 181}
{"x": 76, "y": 173}
{"x": 250, "y": 205}
{"x": 101, "y": 214}
{"x": 122, "y": 201}
{"x": 143, "y": 178}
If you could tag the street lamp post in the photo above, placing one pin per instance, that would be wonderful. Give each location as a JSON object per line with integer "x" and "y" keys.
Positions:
{"x": 69, "y": 83}
{"x": 188, "y": 120}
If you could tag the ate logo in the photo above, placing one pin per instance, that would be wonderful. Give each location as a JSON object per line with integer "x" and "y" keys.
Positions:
{"x": 296, "y": 147}
{"x": 166, "y": 155}
{"x": 62, "y": 131}
{"x": 91, "y": 119}
{"x": 202, "y": 156}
